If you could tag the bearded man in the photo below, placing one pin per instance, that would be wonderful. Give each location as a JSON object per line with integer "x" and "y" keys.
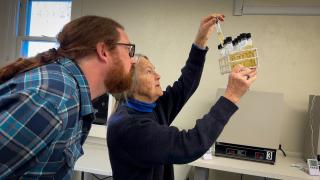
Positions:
{"x": 45, "y": 101}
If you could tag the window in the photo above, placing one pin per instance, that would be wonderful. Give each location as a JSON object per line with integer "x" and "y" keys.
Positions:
{"x": 39, "y": 23}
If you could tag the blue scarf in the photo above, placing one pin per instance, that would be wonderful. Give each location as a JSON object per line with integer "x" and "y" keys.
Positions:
{"x": 140, "y": 106}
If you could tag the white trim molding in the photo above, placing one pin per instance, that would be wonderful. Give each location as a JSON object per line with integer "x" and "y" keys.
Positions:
{"x": 279, "y": 10}
{"x": 237, "y": 7}
{"x": 293, "y": 8}
{"x": 10, "y": 26}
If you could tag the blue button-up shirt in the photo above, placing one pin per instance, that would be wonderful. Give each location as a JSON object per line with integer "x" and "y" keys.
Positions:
{"x": 45, "y": 116}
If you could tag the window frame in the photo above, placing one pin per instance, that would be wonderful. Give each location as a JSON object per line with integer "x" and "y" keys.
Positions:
{"x": 24, "y": 15}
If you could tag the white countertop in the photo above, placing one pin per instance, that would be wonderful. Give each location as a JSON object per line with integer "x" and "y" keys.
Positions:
{"x": 282, "y": 169}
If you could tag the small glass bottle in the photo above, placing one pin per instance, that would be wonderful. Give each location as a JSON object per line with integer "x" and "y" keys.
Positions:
{"x": 219, "y": 33}
{"x": 237, "y": 48}
{"x": 243, "y": 40}
{"x": 235, "y": 44}
{"x": 228, "y": 45}
{"x": 222, "y": 50}
{"x": 249, "y": 41}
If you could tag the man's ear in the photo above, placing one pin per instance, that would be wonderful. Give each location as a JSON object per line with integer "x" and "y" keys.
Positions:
{"x": 102, "y": 51}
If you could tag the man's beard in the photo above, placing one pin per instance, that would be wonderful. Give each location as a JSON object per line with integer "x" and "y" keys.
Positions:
{"x": 117, "y": 79}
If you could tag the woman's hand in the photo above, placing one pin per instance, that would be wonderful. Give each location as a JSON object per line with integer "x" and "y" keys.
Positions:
{"x": 240, "y": 79}
{"x": 206, "y": 28}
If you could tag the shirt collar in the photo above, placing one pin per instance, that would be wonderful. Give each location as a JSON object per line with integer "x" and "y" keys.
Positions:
{"x": 85, "y": 96}
{"x": 140, "y": 106}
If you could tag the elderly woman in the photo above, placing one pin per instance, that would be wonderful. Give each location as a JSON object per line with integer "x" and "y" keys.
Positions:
{"x": 142, "y": 144}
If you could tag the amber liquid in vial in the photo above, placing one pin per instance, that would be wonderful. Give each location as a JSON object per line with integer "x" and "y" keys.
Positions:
{"x": 219, "y": 33}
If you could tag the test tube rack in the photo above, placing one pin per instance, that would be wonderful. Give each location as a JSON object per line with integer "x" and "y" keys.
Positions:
{"x": 247, "y": 58}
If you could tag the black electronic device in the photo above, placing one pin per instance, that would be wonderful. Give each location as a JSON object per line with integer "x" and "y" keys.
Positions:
{"x": 250, "y": 153}
{"x": 100, "y": 105}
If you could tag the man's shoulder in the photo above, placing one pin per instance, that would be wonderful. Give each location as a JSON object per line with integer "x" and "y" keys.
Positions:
{"x": 48, "y": 77}
{"x": 50, "y": 82}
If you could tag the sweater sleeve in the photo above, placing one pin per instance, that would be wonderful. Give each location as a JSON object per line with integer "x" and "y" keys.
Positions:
{"x": 149, "y": 143}
{"x": 178, "y": 94}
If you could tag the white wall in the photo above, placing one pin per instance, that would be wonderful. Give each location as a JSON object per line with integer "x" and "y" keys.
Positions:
{"x": 164, "y": 30}
{"x": 288, "y": 49}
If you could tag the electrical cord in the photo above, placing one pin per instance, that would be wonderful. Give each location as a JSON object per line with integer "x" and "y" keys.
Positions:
{"x": 311, "y": 125}
{"x": 300, "y": 166}
{"x": 280, "y": 148}
{"x": 101, "y": 178}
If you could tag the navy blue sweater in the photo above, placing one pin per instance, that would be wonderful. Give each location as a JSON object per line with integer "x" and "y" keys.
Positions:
{"x": 142, "y": 145}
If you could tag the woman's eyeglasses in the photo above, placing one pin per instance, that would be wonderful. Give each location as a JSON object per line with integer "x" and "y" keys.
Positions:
{"x": 131, "y": 48}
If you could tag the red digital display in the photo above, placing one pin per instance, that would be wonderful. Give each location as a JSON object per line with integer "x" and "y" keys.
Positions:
{"x": 259, "y": 155}
{"x": 231, "y": 151}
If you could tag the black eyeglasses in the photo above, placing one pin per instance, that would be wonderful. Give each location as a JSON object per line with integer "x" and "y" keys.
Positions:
{"x": 131, "y": 48}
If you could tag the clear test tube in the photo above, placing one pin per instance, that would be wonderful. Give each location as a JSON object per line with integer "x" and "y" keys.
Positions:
{"x": 219, "y": 33}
